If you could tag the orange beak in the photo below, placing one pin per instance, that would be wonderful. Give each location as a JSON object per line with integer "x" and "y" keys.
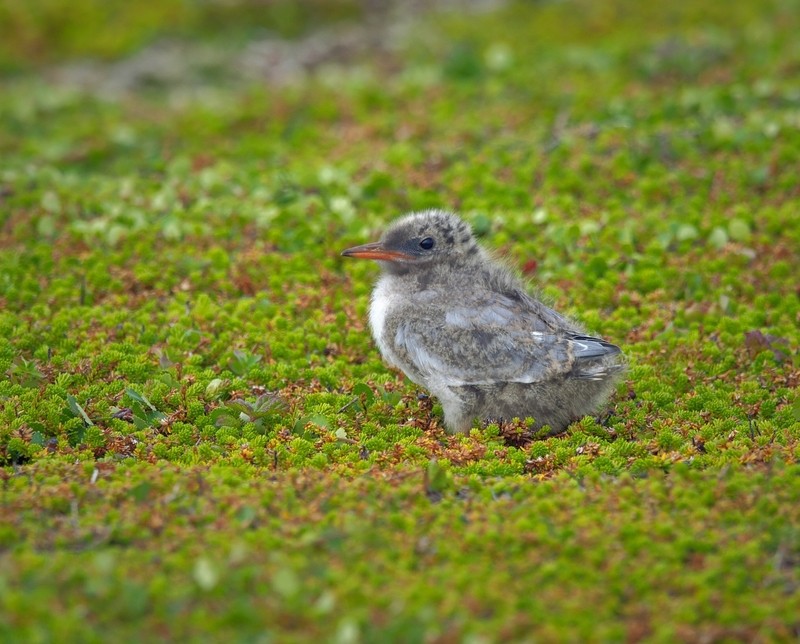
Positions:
{"x": 375, "y": 250}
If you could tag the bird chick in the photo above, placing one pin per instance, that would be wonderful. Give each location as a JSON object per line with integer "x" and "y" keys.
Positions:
{"x": 459, "y": 324}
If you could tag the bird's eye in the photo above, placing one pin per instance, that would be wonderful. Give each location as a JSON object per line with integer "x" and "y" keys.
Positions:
{"x": 427, "y": 243}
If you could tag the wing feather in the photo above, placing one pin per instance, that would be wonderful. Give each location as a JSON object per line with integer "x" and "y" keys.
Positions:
{"x": 498, "y": 340}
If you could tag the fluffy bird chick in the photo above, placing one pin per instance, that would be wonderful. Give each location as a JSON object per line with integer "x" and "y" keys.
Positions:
{"x": 458, "y": 323}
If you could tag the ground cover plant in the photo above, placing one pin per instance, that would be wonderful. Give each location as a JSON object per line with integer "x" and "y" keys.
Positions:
{"x": 198, "y": 439}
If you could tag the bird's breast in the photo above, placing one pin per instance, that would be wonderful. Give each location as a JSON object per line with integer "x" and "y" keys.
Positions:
{"x": 379, "y": 309}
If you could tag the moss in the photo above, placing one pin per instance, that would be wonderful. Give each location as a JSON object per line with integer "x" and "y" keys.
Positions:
{"x": 198, "y": 436}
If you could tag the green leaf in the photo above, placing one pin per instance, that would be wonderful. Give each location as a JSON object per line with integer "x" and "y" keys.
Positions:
{"x": 301, "y": 427}
{"x": 140, "y": 398}
{"x": 686, "y": 232}
{"x": 51, "y": 202}
{"x": 365, "y": 394}
{"x": 718, "y": 237}
{"x": 205, "y": 574}
{"x": 223, "y": 418}
{"x": 240, "y": 406}
{"x": 267, "y": 404}
{"x": 739, "y": 230}
{"x": 481, "y": 225}
{"x": 391, "y": 398}
{"x": 286, "y": 582}
{"x": 242, "y": 362}
{"x": 214, "y": 388}
{"x": 77, "y": 410}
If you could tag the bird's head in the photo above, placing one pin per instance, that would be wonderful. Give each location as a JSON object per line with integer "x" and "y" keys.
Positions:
{"x": 419, "y": 241}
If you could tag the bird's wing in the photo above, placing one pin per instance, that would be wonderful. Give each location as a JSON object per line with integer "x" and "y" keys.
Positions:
{"x": 499, "y": 342}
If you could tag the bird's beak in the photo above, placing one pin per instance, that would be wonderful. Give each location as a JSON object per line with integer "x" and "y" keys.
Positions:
{"x": 375, "y": 250}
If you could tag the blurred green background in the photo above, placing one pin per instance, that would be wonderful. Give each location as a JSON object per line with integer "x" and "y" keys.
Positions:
{"x": 48, "y": 31}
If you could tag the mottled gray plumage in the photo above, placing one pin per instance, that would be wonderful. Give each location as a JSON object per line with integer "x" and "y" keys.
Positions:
{"x": 458, "y": 323}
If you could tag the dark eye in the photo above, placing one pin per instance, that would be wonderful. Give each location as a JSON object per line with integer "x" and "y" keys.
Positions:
{"x": 427, "y": 243}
